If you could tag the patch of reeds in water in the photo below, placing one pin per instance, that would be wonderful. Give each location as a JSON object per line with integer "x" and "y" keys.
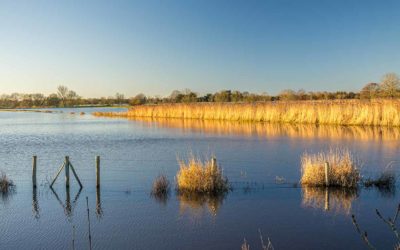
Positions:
{"x": 202, "y": 177}
{"x": 161, "y": 189}
{"x": 5, "y": 184}
{"x": 343, "y": 169}
{"x": 335, "y": 112}
{"x": 329, "y": 199}
{"x": 385, "y": 182}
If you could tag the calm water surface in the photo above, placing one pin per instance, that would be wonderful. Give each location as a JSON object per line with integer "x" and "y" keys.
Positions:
{"x": 123, "y": 215}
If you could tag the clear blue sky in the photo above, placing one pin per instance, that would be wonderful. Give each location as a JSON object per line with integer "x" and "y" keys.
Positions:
{"x": 99, "y": 48}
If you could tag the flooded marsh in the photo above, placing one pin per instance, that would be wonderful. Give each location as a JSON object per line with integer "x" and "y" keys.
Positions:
{"x": 262, "y": 162}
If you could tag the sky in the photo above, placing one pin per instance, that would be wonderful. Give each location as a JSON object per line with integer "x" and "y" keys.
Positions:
{"x": 98, "y": 48}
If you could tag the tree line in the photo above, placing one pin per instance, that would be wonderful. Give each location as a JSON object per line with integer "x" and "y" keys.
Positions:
{"x": 389, "y": 87}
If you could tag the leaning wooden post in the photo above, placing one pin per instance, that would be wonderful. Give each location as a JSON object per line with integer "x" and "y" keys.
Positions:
{"x": 97, "y": 171}
{"x": 34, "y": 160}
{"x": 327, "y": 174}
{"x": 67, "y": 171}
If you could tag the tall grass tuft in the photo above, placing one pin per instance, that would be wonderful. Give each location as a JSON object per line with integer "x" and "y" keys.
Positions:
{"x": 333, "y": 112}
{"x": 343, "y": 169}
{"x": 5, "y": 184}
{"x": 196, "y": 176}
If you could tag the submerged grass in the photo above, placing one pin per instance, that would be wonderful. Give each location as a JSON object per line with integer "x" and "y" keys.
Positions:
{"x": 343, "y": 169}
{"x": 196, "y": 176}
{"x": 335, "y": 112}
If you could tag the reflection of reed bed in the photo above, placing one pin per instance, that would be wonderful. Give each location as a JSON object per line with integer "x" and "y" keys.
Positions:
{"x": 335, "y": 199}
{"x": 264, "y": 129}
{"x": 196, "y": 202}
{"x": 337, "y": 112}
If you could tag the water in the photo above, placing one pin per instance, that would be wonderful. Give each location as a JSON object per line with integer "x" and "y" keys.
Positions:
{"x": 123, "y": 215}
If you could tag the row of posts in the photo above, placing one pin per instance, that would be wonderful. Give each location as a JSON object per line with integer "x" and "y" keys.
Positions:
{"x": 34, "y": 170}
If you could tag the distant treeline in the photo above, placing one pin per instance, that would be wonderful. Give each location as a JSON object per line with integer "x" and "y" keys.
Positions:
{"x": 389, "y": 87}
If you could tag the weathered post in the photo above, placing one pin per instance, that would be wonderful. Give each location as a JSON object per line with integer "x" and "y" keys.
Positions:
{"x": 34, "y": 160}
{"x": 97, "y": 171}
{"x": 327, "y": 174}
{"x": 213, "y": 164}
{"x": 67, "y": 171}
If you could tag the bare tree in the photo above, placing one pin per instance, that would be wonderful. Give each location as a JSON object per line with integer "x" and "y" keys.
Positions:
{"x": 62, "y": 92}
{"x": 390, "y": 84}
{"x": 371, "y": 90}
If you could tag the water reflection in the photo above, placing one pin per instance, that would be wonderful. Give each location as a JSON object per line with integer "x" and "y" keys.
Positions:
{"x": 161, "y": 198}
{"x": 197, "y": 203}
{"x": 329, "y": 199}
{"x": 276, "y": 129}
{"x": 35, "y": 204}
{"x": 68, "y": 206}
{"x": 99, "y": 210}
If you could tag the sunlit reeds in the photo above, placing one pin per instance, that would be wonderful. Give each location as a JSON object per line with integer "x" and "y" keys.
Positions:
{"x": 334, "y": 112}
{"x": 343, "y": 169}
{"x": 203, "y": 177}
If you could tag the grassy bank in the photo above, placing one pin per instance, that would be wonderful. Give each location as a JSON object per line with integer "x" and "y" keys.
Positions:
{"x": 337, "y": 112}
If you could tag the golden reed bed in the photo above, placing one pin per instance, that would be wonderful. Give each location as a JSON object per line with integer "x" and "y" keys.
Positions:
{"x": 336, "y": 112}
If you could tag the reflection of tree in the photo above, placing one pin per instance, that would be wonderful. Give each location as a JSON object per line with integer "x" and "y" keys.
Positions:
{"x": 337, "y": 199}
{"x": 196, "y": 202}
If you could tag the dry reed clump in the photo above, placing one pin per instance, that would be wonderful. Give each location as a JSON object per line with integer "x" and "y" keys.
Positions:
{"x": 343, "y": 169}
{"x": 196, "y": 176}
{"x": 5, "y": 184}
{"x": 161, "y": 186}
{"x": 334, "y": 112}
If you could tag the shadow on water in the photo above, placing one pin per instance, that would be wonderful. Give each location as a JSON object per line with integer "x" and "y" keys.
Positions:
{"x": 198, "y": 203}
{"x": 338, "y": 200}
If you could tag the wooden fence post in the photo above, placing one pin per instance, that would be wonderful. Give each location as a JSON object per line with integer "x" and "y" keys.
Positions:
{"x": 67, "y": 171}
{"x": 34, "y": 161}
{"x": 97, "y": 171}
{"x": 327, "y": 174}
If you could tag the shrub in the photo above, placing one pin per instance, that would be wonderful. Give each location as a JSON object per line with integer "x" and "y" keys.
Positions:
{"x": 343, "y": 169}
